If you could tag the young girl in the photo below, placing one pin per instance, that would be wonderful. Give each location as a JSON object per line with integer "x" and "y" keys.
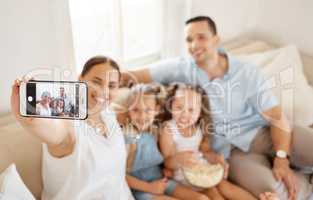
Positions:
{"x": 144, "y": 161}
{"x": 187, "y": 133}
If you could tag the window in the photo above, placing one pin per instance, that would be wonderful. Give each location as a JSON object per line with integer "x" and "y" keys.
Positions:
{"x": 128, "y": 31}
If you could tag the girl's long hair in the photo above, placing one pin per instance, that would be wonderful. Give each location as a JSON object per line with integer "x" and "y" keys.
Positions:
{"x": 205, "y": 120}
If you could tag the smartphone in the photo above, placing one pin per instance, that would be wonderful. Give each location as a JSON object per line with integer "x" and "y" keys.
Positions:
{"x": 54, "y": 99}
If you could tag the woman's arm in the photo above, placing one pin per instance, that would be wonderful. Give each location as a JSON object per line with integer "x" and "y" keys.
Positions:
{"x": 50, "y": 131}
{"x": 136, "y": 76}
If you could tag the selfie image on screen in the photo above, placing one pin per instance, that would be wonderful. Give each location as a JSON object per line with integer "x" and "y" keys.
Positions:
{"x": 57, "y": 100}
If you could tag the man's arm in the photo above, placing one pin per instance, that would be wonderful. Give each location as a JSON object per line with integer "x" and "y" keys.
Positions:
{"x": 263, "y": 100}
{"x": 136, "y": 76}
{"x": 281, "y": 134}
{"x": 164, "y": 72}
{"x": 280, "y": 129}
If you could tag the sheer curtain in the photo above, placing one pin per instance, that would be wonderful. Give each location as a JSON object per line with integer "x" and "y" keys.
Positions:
{"x": 135, "y": 33}
{"x": 176, "y": 12}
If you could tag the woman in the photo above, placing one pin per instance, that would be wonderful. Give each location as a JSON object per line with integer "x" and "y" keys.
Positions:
{"x": 43, "y": 106}
{"x": 83, "y": 159}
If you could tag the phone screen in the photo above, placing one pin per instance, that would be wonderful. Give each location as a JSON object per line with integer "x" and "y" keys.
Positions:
{"x": 55, "y": 99}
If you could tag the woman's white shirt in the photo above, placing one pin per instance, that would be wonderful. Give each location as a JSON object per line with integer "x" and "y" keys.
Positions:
{"x": 96, "y": 169}
{"x": 42, "y": 110}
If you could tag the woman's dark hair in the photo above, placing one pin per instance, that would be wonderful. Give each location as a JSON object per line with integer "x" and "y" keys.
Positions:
{"x": 205, "y": 118}
{"x": 99, "y": 60}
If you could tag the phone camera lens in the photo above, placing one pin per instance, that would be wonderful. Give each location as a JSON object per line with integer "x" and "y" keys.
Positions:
{"x": 30, "y": 98}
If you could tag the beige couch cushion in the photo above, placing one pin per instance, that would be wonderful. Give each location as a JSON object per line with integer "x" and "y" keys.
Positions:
{"x": 19, "y": 147}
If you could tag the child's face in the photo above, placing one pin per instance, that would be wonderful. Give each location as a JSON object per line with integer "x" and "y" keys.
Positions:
{"x": 61, "y": 104}
{"x": 54, "y": 104}
{"x": 186, "y": 107}
{"x": 143, "y": 111}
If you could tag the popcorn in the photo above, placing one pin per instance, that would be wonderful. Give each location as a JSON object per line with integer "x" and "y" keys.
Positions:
{"x": 204, "y": 175}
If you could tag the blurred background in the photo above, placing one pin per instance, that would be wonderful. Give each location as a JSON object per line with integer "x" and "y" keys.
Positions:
{"x": 53, "y": 38}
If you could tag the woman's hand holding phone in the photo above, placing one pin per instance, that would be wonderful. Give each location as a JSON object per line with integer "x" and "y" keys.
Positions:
{"x": 15, "y": 99}
{"x": 50, "y": 131}
{"x": 50, "y": 99}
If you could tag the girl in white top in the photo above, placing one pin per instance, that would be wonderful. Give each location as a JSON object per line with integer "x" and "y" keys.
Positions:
{"x": 187, "y": 133}
{"x": 83, "y": 159}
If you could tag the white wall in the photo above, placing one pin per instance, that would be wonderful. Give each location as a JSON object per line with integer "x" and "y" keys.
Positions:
{"x": 233, "y": 18}
{"x": 176, "y": 12}
{"x": 287, "y": 21}
{"x": 37, "y": 33}
{"x": 34, "y": 34}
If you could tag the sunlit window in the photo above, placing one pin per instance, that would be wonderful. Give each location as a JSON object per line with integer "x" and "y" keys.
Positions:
{"x": 127, "y": 30}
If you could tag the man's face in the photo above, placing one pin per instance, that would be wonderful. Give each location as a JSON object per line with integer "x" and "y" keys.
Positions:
{"x": 62, "y": 91}
{"x": 202, "y": 44}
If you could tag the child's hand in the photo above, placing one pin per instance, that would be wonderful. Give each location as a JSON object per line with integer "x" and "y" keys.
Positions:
{"x": 215, "y": 158}
{"x": 168, "y": 173}
{"x": 158, "y": 186}
{"x": 268, "y": 196}
{"x": 187, "y": 159}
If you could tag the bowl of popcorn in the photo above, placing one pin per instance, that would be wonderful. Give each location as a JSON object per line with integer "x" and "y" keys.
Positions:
{"x": 204, "y": 175}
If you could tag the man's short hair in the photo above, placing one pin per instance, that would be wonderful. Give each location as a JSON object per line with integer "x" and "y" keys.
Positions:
{"x": 211, "y": 23}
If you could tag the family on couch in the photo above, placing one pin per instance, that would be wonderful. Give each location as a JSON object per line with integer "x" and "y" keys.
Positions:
{"x": 55, "y": 106}
{"x": 249, "y": 134}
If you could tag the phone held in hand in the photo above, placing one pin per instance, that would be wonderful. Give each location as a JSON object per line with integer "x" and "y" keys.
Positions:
{"x": 54, "y": 99}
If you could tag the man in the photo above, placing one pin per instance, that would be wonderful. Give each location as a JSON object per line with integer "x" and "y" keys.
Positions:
{"x": 249, "y": 124}
{"x": 68, "y": 104}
